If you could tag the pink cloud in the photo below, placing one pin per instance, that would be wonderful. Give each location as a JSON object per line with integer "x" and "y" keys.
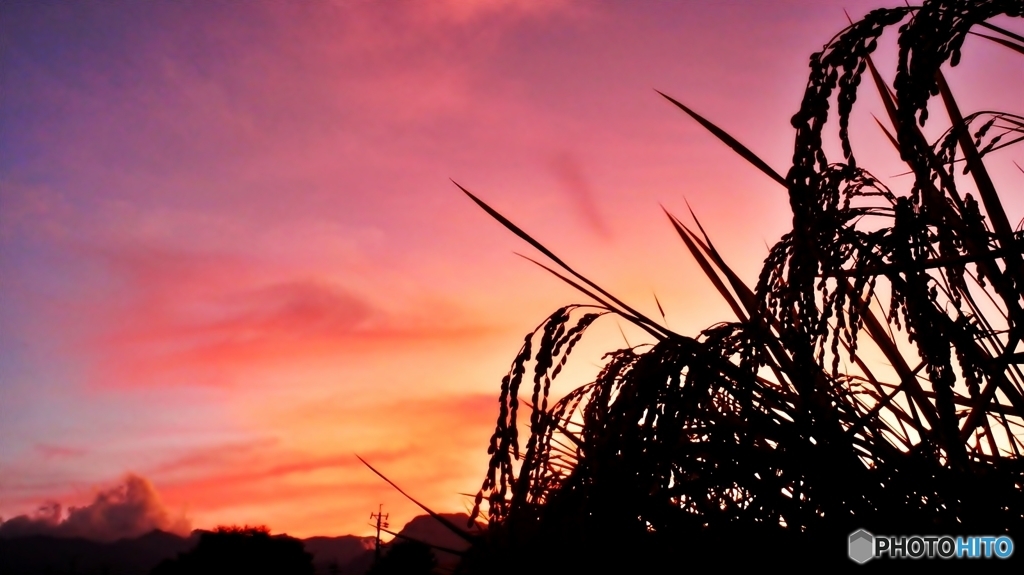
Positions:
{"x": 191, "y": 330}
{"x": 576, "y": 185}
{"x": 59, "y": 452}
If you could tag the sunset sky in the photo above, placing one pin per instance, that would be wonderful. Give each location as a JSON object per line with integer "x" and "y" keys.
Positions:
{"x": 231, "y": 256}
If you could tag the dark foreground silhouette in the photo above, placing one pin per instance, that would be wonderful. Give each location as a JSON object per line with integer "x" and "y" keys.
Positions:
{"x": 771, "y": 438}
{"x": 40, "y": 554}
{"x": 56, "y": 556}
{"x": 405, "y": 558}
{"x": 250, "y": 550}
{"x": 344, "y": 555}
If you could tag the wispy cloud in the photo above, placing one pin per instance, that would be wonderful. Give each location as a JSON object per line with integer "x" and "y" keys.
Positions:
{"x": 59, "y": 451}
{"x": 576, "y": 185}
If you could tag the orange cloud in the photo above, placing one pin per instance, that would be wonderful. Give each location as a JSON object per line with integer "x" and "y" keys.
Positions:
{"x": 313, "y": 483}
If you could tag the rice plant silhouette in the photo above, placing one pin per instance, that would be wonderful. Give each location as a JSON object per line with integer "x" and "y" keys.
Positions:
{"x": 750, "y": 431}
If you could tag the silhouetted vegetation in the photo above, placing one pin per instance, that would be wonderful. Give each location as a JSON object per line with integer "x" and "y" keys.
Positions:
{"x": 405, "y": 558}
{"x": 57, "y": 555}
{"x": 749, "y": 442}
{"x": 250, "y": 550}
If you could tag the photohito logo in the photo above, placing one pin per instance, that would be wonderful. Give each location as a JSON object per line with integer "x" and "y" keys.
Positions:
{"x": 864, "y": 546}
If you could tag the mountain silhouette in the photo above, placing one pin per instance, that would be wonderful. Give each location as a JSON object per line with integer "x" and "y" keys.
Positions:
{"x": 343, "y": 555}
{"x": 55, "y": 555}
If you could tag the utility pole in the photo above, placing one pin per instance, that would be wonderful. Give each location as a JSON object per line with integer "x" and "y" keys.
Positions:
{"x": 382, "y": 521}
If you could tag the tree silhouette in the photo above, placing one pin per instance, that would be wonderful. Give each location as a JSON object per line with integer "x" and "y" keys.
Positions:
{"x": 406, "y": 558}
{"x": 248, "y": 550}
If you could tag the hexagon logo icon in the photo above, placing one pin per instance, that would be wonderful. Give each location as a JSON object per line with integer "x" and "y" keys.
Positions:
{"x": 861, "y": 546}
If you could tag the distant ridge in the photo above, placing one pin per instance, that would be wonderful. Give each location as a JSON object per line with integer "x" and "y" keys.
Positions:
{"x": 344, "y": 555}
{"x": 46, "y": 554}
{"x": 350, "y": 554}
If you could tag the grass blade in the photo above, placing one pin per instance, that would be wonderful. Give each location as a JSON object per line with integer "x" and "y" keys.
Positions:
{"x": 448, "y": 524}
{"x": 731, "y": 142}
{"x": 1004, "y": 42}
{"x": 526, "y": 237}
{"x": 1002, "y": 31}
{"x": 706, "y": 266}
